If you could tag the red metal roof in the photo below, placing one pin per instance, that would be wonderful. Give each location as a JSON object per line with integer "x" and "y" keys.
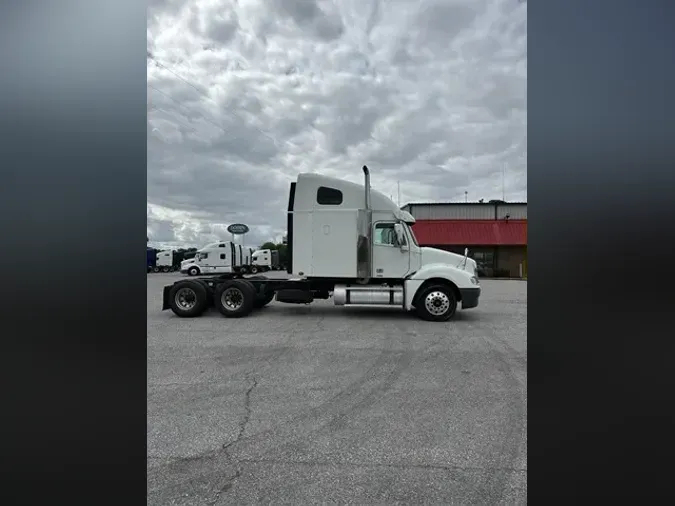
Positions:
{"x": 471, "y": 232}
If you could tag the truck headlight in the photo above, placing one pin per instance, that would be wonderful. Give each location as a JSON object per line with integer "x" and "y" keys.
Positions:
{"x": 474, "y": 280}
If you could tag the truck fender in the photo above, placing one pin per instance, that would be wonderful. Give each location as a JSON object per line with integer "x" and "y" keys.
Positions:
{"x": 441, "y": 273}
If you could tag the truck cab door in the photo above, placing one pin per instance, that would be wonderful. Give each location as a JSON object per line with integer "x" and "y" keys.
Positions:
{"x": 390, "y": 258}
{"x": 205, "y": 263}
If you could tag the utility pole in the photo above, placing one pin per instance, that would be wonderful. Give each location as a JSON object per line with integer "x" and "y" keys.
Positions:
{"x": 398, "y": 189}
{"x": 466, "y": 196}
{"x": 503, "y": 181}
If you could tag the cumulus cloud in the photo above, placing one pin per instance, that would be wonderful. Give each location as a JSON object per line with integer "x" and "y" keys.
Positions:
{"x": 245, "y": 94}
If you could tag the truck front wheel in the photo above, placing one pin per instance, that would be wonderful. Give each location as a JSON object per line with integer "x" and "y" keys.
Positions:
{"x": 436, "y": 303}
{"x": 193, "y": 271}
{"x": 235, "y": 298}
{"x": 254, "y": 269}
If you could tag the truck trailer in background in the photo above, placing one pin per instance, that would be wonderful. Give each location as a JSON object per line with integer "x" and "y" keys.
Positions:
{"x": 151, "y": 259}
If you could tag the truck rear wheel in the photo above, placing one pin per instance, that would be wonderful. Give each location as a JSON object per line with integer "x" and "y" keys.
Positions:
{"x": 235, "y": 298}
{"x": 436, "y": 303}
{"x": 188, "y": 298}
{"x": 155, "y": 269}
{"x": 243, "y": 269}
{"x": 166, "y": 268}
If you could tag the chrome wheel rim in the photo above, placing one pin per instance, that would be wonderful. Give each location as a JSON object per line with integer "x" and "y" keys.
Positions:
{"x": 437, "y": 303}
{"x": 186, "y": 298}
{"x": 232, "y": 299}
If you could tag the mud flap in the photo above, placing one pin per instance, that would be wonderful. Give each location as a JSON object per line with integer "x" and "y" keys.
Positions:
{"x": 165, "y": 301}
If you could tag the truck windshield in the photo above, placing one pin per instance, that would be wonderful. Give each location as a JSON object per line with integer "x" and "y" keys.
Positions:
{"x": 412, "y": 235}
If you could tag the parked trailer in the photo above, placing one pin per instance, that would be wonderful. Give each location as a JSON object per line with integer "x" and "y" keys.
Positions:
{"x": 152, "y": 259}
{"x": 349, "y": 242}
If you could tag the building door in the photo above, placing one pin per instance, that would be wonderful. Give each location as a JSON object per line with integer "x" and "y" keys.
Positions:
{"x": 389, "y": 259}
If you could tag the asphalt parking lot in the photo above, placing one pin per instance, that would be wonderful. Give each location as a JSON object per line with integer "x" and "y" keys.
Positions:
{"x": 322, "y": 404}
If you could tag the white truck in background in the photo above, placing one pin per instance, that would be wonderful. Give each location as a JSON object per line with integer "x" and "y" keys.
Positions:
{"x": 162, "y": 260}
{"x": 215, "y": 258}
{"x": 349, "y": 242}
{"x": 265, "y": 260}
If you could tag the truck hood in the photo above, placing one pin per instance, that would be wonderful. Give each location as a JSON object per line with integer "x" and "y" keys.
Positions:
{"x": 438, "y": 256}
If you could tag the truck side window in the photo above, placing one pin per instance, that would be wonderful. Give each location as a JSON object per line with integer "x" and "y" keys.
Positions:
{"x": 222, "y": 256}
{"x": 384, "y": 234}
{"x": 202, "y": 256}
{"x": 328, "y": 196}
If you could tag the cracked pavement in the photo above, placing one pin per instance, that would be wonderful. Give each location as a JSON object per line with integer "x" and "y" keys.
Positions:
{"x": 316, "y": 404}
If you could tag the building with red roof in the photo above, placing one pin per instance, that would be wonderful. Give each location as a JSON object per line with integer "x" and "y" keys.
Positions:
{"x": 494, "y": 232}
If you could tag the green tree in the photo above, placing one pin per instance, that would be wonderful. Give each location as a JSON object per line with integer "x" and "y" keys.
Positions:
{"x": 268, "y": 245}
{"x": 283, "y": 253}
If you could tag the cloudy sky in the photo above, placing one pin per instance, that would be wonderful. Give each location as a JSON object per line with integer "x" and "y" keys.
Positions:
{"x": 245, "y": 94}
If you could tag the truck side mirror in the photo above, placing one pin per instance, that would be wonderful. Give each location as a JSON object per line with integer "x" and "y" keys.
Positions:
{"x": 400, "y": 235}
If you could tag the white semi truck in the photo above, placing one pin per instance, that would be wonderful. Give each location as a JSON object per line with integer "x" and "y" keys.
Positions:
{"x": 215, "y": 258}
{"x": 349, "y": 242}
{"x": 162, "y": 261}
{"x": 265, "y": 260}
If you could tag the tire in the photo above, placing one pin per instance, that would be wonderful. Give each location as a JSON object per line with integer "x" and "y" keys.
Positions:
{"x": 209, "y": 292}
{"x": 243, "y": 270}
{"x": 155, "y": 269}
{"x": 188, "y": 298}
{"x": 193, "y": 271}
{"x": 436, "y": 303}
{"x": 235, "y": 298}
{"x": 166, "y": 268}
{"x": 263, "y": 300}
{"x": 254, "y": 269}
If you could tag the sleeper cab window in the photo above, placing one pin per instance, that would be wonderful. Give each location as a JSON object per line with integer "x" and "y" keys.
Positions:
{"x": 328, "y": 196}
{"x": 222, "y": 256}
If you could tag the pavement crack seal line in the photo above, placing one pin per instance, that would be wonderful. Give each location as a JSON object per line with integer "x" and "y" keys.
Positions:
{"x": 229, "y": 481}
{"x": 322, "y": 414}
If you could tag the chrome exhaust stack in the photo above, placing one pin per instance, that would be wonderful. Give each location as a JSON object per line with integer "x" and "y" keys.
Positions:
{"x": 365, "y": 223}
{"x": 366, "y": 172}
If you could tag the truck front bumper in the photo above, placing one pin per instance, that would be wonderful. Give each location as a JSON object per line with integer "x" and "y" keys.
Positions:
{"x": 470, "y": 297}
